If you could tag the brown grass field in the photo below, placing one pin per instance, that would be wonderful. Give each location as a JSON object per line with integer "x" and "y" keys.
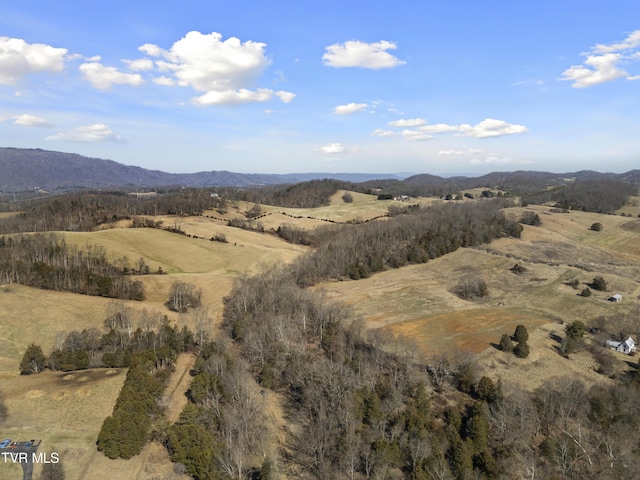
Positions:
{"x": 415, "y": 302}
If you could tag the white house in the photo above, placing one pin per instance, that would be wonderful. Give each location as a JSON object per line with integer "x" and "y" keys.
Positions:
{"x": 628, "y": 346}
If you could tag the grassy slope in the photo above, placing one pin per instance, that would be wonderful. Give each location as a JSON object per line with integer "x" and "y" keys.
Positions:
{"x": 66, "y": 411}
{"x": 416, "y": 302}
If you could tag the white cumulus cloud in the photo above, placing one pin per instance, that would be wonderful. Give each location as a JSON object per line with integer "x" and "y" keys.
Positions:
{"x": 96, "y": 133}
{"x": 140, "y": 65}
{"x": 18, "y": 59}
{"x": 360, "y": 54}
{"x": 332, "y": 149}
{"x": 31, "y": 121}
{"x": 491, "y": 127}
{"x": 103, "y": 78}
{"x": 409, "y": 122}
{"x": 603, "y": 63}
{"x": 349, "y": 108}
{"x": 440, "y": 128}
{"x": 223, "y": 71}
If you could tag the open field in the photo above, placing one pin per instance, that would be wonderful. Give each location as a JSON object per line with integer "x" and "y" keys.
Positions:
{"x": 67, "y": 410}
{"x": 416, "y": 302}
{"x": 364, "y": 207}
{"x": 64, "y": 410}
{"x": 632, "y": 206}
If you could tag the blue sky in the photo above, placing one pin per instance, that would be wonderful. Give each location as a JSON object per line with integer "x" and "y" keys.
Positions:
{"x": 353, "y": 86}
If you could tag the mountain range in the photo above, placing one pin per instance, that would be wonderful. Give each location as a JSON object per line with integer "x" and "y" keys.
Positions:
{"x": 29, "y": 169}
{"x": 36, "y": 169}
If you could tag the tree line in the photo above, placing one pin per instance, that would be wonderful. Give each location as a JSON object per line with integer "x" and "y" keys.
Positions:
{"x": 601, "y": 196}
{"x": 85, "y": 211}
{"x": 47, "y": 261}
{"x": 357, "y": 251}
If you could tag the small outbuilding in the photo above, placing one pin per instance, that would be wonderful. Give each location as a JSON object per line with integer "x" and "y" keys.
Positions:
{"x": 615, "y": 298}
{"x": 628, "y": 346}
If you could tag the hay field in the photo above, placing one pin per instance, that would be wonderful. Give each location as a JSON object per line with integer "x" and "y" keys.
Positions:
{"x": 67, "y": 410}
{"x": 64, "y": 410}
{"x": 416, "y": 302}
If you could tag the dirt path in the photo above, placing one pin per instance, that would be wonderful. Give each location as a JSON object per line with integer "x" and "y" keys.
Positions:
{"x": 174, "y": 397}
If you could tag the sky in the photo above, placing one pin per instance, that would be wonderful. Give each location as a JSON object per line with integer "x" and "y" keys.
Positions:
{"x": 444, "y": 88}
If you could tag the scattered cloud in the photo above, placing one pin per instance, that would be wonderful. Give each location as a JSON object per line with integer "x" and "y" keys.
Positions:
{"x": 410, "y": 122}
{"x": 632, "y": 41}
{"x": 491, "y": 160}
{"x": 360, "y": 54}
{"x": 140, "y": 65}
{"x": 471, "y": 151}
{"x": 18, "y": 59}
{"x": 96, "y": 133}
{"x": 164, "y": 81}
{"x": 286, "y": 97}
{"x": 31, "y": 121}
{"x": 332, "y": 149}
{"x": 103, "y": 78}
{"x": 222, "y": 70}
{"x": 415, "y": 135}
{"x": 349, "y": 108}
{"x": 440, "y": 128}
{"x": 379, "y": 132}
{"x": 602, "y": 63}
{"x": 598, "y": 69}
{"x": 489, "y": 127}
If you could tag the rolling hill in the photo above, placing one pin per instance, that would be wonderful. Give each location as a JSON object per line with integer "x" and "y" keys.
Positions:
{"x": 28, "y": 169}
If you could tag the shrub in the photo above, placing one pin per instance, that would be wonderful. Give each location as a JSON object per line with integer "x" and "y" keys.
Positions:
{"x": 506, "y": 345}
{"x": 219, "y": 237}
{"x": 531, "y": 218}
{"x": 471, "y": 288}
{"x": 596, "y": 227}
{"x": 522, "y": 350}
{"x": 347, "y": 198}
{"x": 521, "y": 334}
{"x": 487, "y": 390}
{"x": 586, "y": 292}
{"x": 517, "y": 268}
{"x": 573, "y": 283}
{"x": 599, "y": 283}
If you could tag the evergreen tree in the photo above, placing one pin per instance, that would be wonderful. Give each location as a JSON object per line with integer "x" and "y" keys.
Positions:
{"x": 522, "y": 350}
{"x": 506, "y": 345}
{"x": 521, "y": 334}
{"x": 33, "y": 360}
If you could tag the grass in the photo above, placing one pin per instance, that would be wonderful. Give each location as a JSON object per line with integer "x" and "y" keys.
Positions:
{"x": 64, "y": 410}
{"x": 471, "y": 330}
{"x": 67, "y": 410}
{"x": 416, "y": 302}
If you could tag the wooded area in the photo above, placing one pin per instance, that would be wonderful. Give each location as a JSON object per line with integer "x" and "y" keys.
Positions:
{"x": 47, "y": 261}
